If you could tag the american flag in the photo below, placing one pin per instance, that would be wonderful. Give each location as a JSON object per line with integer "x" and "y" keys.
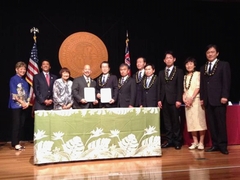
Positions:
{"x": 127, "y": 54}
{"x": 32, "y": 69}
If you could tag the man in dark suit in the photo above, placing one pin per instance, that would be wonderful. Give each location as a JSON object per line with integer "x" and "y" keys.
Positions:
{"x": 170, "y": 100}
{"x": 107, "y": 80}
{"x": 214, "y": 93}
{"x": 43, "y": 87}
{"x": 78, "y": 86}
{"x": 126, "y": 88}
{"x": 150, "y": 87}
{"x": 138, "y": 76}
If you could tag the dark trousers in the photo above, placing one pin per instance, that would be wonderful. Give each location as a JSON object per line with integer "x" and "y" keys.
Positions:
{"x": 172, "y": 123}
{"x": 216, "y": 118}
{"x": 18, "y": 120}
{"x": 107, "y": 105}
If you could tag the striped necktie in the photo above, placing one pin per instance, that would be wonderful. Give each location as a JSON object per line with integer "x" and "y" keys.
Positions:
{"x": 88, "y": 82}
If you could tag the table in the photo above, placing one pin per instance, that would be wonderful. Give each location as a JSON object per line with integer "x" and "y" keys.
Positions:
{"x": 90, "y": 134}
{"x": 233, "y": 127}
{"x": 233, "y": 124}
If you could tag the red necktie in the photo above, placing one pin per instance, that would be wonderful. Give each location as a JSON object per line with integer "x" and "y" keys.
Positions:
{"x": 47, "y": 79}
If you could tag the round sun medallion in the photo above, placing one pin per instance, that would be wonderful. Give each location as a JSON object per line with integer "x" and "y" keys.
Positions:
{"x": 82, "y": 48}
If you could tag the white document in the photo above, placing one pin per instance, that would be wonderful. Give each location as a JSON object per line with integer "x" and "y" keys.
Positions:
{"x": 106, "y": 95}
{"x": 89, "y": 94}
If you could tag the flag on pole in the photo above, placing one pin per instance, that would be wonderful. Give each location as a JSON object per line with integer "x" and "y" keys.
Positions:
{"x": 32, "y": 69}
{"x": 127, "y": 54}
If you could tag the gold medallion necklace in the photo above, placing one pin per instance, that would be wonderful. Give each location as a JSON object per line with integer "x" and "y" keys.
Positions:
{"x": 120, "y": 84}
{"x": 100, "y": 80}
{"x": 170, "y": 78}
{"x": 150, "y": 83}
{"x": 138, "y": 80}
{"x": 213, "y": 69}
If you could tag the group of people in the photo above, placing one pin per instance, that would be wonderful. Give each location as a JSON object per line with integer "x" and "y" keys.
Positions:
{"x": 205, "y": 93}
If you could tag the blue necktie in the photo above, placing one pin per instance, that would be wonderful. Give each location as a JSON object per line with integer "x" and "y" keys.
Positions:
{"x": 148, "y": 81}
{"x": 103, "y": 79}
{"x": 139, "y": 75}
{"x": 122, "y": 80}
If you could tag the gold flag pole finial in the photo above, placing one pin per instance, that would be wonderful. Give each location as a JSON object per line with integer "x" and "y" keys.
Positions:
{"x": 127, "y": 40}
{"x": 34, "y": 31}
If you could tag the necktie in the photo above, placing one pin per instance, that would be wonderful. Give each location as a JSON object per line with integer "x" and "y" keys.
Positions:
{"x": 122, "y": 81}
{"x": 148, "y": 81}
{"x": 168, "y": 72}
{"x": 209, "y": 68}
{"x": 103, "y": 79}
{"x": 47, "y": 79}
{"x": 88, "y": 82}
{"x": 140, "y": 75}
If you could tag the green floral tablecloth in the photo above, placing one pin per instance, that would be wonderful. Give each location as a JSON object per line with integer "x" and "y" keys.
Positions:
{"x": 90, "y": 134}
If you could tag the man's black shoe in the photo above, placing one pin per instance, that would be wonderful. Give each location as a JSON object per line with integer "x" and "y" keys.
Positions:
{"x": 224, "y": 151}
{"x": 178, "y": 147}
{"x": 165, "y": 145}
{"x": 211, "y": 149}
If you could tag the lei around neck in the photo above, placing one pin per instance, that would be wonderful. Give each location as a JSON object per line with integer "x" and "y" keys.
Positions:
{"x": 190, "y": 81}
{"x": 170, "y": 78}
{"x": 150, "y": 83}
{"x": 214, "y": 68}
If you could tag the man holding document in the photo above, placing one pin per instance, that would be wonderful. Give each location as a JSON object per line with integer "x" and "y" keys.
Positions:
{"x": 84, "y": 90}
{"x": 107, "y": 87}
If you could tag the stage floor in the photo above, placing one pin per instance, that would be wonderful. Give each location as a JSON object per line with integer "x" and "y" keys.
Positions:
{"x": 173, "y": 164}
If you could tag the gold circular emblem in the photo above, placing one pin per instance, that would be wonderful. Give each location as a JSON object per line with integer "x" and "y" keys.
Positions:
{"x": 82, "y": 48}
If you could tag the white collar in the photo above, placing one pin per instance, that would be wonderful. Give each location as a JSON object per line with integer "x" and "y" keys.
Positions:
{"x": 213, "y": 62}
{"x": 150, "y": 77}
{"x": 105, "y": 75}
{"x": 86, "y": 78}
{"x": 142, "y": 72}
{"x": 125, "y": 77}
{"x": 170, "y": 68}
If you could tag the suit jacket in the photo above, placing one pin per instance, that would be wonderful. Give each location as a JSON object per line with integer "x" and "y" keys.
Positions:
{"x": 150, "y": 94}
{"x": 111, "y": 82}
{"x": 217, "y": 86}
{"x": 126, "y": 92}
{"x": 42, "y": 91}
{"x": 138, "y": 82}
{"x": 171, "y": 90}
{"x": 78, "y": 86}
